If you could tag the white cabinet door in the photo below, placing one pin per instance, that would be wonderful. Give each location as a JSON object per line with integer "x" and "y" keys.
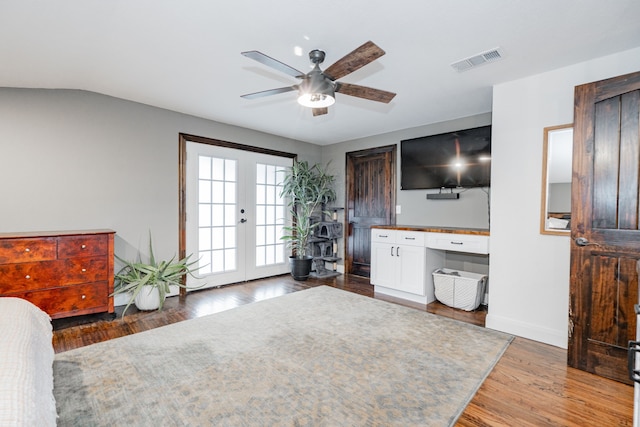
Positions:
{"x": 383, "y": 264}
{"x": 398, "y": 260}
{"x": 410, "y": 262}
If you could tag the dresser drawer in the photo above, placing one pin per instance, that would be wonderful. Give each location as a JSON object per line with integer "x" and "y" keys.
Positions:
{"x": 27, "y": 249}
{"x": 82, "y": 246}
{"x": 39, "y": 275}
{"x": 84, "y": 270}
{"x": 71, "y": 300}
{"x": 28, "y": 275}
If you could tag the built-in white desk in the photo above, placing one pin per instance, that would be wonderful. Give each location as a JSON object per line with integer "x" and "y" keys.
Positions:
{"x": 403, "y": 257}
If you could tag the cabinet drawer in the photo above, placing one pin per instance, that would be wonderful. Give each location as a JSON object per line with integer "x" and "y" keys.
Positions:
{"x": 82, "y": 246}
{"x": 382, "y": 235}
{"x": 458, "y": 242}
{"x": 411, "y": 238}
{"x": 71, "y": 300}
{"x": 27, "y": 249}
{"x": 28, "y": 275}
{"x": 83, "y": 270}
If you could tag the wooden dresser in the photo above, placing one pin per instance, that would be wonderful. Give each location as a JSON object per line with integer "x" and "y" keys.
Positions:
{"x": 65, "y": 273}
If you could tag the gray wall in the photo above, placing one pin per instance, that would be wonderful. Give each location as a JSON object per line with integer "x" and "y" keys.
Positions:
{"x": 72, "y": 160}
{"x": 79, "y": 160}
{"x": 471, "y": 210}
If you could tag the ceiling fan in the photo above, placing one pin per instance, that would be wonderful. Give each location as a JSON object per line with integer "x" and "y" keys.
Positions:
{"x": 317, "y": 89}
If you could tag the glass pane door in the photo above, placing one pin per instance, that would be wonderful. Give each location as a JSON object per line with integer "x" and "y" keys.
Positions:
{"x": 217, "y": 207}
{"x": 270, "y": 216}
{"x": 233, "y": 206}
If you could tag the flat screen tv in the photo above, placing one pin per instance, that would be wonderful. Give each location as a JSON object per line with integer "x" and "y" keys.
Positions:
{"x": 449, "y": 160}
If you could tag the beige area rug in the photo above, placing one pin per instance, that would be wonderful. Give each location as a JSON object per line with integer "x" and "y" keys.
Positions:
{"x": 319, "y": 357}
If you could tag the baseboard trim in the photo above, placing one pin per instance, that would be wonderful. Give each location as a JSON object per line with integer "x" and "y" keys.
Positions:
{"x": 421, "y": 299}
{"x": 527, "y": 330}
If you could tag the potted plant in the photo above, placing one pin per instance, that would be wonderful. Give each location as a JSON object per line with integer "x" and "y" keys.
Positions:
{"x": 148, "y": 283}
{"x": 308, "y": 189}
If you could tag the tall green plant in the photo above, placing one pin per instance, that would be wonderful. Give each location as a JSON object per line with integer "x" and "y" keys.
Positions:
{"x": 307, "y": 189}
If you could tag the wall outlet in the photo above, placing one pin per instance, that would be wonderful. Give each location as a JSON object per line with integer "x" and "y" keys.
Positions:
{"x": 398, "y": 209}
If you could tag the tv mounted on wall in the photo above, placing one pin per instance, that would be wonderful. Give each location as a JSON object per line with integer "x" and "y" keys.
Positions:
{"x": 449, "y": 160}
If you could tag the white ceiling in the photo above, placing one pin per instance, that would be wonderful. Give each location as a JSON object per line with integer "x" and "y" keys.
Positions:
{"x": 185, "y": 55}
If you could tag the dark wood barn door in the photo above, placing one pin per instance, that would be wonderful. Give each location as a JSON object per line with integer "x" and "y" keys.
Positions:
{"x": 371, "y": 199}
{"x": 605, "y": 225}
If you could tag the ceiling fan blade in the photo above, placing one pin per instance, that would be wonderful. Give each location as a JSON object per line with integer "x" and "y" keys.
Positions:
{"x": 269, "y": 92}
{"x": 273, "y": 63}
{"x": 365, "y": 92}
{"x": 360, "y": 57}
{"x": 320, "y": 111}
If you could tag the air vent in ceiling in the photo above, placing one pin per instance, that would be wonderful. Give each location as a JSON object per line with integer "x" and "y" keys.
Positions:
{"x": 479, "y": 59}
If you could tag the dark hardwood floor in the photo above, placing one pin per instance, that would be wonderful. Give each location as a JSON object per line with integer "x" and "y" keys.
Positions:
{"x": 530, "y": 386}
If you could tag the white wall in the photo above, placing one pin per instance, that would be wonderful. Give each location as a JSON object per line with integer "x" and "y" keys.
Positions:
{"x": 79, "y": 160}
{"x": 529, "y": 272}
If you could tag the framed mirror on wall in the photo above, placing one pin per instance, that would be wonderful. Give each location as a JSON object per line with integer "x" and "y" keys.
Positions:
{"x": 557, "y": 154}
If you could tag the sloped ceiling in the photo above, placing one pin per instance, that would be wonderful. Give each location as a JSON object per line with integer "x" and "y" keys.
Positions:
{"x": 185, "y": 55}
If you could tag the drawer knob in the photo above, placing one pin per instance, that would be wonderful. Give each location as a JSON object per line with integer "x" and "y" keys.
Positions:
{"x": 27, "y": 250}
{"x": 84, "y": 297}
{"x": 83, "y": 246}
{"x": 27, "y": 277}
{"x": 84, "y": 270}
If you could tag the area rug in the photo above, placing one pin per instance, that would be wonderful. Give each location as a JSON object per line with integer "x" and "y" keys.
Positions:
{"x": 319, "y": 357}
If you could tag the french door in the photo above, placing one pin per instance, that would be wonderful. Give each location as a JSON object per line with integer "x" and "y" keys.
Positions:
{"x": 234, "y": 214}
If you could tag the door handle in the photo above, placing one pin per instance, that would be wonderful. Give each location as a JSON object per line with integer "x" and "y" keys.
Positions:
{"x": 634, "y": 374}
{"x": 582, "y": 241}
{"x": 243, "y": 220}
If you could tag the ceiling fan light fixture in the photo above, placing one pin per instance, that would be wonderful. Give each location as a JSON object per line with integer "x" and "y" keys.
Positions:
{"x": 316, "y": 91}
{"x": 316, "y": 100}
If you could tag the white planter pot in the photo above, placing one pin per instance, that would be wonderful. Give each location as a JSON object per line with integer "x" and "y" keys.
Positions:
{"x": 148, "y": 298}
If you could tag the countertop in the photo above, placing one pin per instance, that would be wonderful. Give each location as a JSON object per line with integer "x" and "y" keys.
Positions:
{"x": 433, "y": 229}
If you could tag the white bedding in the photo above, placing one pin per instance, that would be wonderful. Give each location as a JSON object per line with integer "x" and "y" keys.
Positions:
{"x": 26, "y": 365}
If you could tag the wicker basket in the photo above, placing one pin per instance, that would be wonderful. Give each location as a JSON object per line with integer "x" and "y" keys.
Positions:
{"x": 459, "y": 289}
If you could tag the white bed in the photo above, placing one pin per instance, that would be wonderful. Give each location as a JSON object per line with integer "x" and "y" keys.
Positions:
{"x": 26, "y": 365}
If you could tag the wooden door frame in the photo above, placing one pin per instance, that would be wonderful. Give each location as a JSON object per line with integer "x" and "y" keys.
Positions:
{"x": 183, "y": 138}
{"x": 349, "y": 180}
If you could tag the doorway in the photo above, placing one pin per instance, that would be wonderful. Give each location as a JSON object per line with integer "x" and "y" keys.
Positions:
{"x": 370, "y": 200}
{"x": 231, "y": 211}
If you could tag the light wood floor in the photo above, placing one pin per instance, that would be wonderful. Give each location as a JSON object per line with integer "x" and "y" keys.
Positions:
{"x": 530, "y": 386}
